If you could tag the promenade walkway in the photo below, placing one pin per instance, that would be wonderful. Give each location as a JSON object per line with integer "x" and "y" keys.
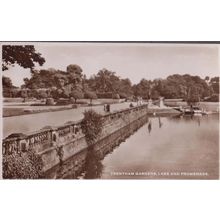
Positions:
{"x": 33, "y": 122}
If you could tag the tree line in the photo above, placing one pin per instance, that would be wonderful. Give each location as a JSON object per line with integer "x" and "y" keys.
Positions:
{"x": 107, "y": 84}
{"x": 72, "y": 83}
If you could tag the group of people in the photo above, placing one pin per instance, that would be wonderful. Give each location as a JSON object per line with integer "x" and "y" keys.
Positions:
{"x": 106, "y": 107}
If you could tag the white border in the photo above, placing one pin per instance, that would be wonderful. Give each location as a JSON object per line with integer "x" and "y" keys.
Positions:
{"x": 109, "y": 20}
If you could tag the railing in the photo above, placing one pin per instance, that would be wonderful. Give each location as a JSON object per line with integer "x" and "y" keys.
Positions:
{"x": 10, "y": 146}
{"x": 43, "y": 139}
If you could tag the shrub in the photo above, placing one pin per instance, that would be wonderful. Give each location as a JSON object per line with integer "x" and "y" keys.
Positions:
{"x": 90, "y": 95}
{"x": 123, "y": 95}
{"x": 82, "y": 102}
{"x": 91, "y": 125}
{"x": 107, "y": 95}
{"x": 63, "y": 102}
{"x": 116, "y": 96}
{"x": 76, "y": 94}
{"x": 213, "y": 98}
{"x": 22, "y": 166}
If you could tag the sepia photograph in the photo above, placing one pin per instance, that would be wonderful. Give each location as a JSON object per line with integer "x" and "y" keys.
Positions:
{"x": 110, "y": 110}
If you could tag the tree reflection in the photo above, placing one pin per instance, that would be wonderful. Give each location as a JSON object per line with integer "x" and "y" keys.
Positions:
{"x": 160, "y": 123}
{"x": 199, "y": 122}
{"x": 149, "y": 126}
{"x": 188, "y": 118}
{"x": 93, "y": 165}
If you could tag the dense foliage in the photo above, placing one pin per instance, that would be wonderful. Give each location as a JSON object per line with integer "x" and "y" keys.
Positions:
{"x": 187, "y": 87}
{"x": 91, "y": 125}
{"x": 8, "y": 88}
{"x": 106, "y": 84}
{"x": 25, "y": 56}
{"x": 90, "y": 95}
{"x": 22, "y": 166}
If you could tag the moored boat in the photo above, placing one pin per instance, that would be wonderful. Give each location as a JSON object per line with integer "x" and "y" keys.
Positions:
{"x": 193, "y": 110}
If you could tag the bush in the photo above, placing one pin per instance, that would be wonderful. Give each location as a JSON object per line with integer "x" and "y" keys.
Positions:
{"x": 81, "y": 102}
{"x": 116, "y": 96}
{"x": 123, "y": 95}
{"x": 107, "y": 95}
{"x": 90, "y": 95}
{"x": 63, "y": 102}
{"x": 91, "y": 125}
{"x": 22, "y": 166}
{"x": 213, "y": 98}
{"x": 49, "y": 101}
{"x": 77, "y": 94}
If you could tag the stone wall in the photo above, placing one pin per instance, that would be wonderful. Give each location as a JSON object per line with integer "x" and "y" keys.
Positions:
{"x": 64, "y": 148}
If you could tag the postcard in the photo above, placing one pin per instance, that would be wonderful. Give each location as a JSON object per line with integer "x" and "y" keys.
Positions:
{"x": 110, "y": 110}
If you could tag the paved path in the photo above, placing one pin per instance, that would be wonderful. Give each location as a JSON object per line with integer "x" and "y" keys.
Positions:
{"x": 33, "y": 122}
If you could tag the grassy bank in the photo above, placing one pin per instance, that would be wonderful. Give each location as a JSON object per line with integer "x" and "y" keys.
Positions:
{"x": 18, "y": 108}
{"x": 9, "y": 112}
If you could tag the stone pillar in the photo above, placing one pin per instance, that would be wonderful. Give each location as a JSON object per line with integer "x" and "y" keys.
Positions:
{"x": 150, "y": 102}
{"x": 55, "y": 138}
{"x": 23, "y": 145}
{"x": 161, "y": 103}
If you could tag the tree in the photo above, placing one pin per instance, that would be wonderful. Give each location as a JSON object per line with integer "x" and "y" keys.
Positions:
{"x": 8, "y": 88}
{"x": 42, "y": 94}
{"x": 207, "y": 78}
{"x": 215, "y": 84}
{"x": 25, "y": 56}
{"x": 6, "y": 82}
{"x": 75, "y": 75}
{"x": 115, "y": 96}
{"x": 24, "y": 94}
{"x": 143, "y": 89}
{"x": 106, "y": 81}
{"x": 125, "y": 88}
{"x": 90, "y": 95}
{"x": 76, "y": 94}
{"x": 74, "y": 68}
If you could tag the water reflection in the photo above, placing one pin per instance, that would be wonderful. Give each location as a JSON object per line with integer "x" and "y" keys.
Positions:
{"x": 149, "y": 126}
{"x": 93, "y": 165}
{"x": 160, "y": 123}
{"x": 199, "y": 122}
{"x": 193, "y": 118}
{"x": 185, "y": 144}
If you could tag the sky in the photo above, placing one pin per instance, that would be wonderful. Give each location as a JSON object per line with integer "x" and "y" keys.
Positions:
{"x": 129, "y": 60}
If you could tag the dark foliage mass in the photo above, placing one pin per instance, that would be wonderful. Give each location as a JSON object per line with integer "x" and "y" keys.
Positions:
{"x": 93, "y": 165}
{"x": 74, "y": 85}
{"x": 188, "y": 87}
{"x": 91, "y": 125}
{"x": 23, "y": 55}
{"x": 22, "y": 166}
{"x": 107, "y": 84}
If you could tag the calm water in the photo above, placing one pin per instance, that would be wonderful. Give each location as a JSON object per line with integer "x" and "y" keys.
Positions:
{"x": 168, "y": 147}
{"x": 174, "y": 147}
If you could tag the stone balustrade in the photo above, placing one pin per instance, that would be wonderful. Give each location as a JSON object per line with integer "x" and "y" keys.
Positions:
{"x": 50, "y": 137}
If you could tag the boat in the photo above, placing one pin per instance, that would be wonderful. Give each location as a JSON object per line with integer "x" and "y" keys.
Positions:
{"x": 193, "y": 110}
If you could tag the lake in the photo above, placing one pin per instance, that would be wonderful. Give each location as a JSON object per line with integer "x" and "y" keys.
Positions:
{"x": 181, "y": 147}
